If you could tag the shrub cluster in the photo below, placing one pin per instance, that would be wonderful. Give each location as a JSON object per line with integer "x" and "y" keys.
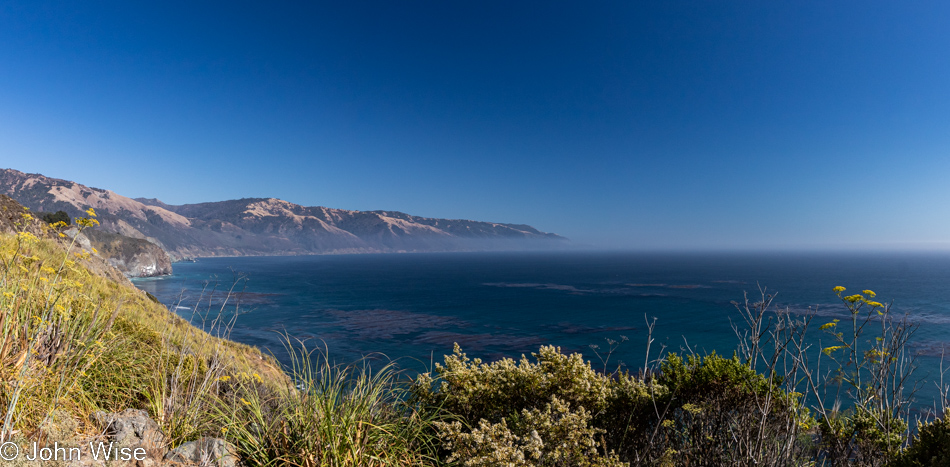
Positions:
{"x": 555, "y": 409}
{"x": 767, "y": 405}
{"x": 55, "y": 217}
{"x": 930, "y": 447}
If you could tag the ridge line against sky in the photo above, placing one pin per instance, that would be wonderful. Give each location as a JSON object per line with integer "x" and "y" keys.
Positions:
{"x": 617, "y": 124}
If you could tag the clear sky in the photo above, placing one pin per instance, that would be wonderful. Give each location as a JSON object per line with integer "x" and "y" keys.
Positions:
{"x": 657, "y": 124}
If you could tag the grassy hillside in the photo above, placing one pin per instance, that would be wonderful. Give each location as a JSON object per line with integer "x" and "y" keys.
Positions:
{"x": 73, "y": 342}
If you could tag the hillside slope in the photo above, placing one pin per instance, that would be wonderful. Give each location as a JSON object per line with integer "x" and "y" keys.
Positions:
{"x": 79, "y": 338}
{"x": 267, "y": 226}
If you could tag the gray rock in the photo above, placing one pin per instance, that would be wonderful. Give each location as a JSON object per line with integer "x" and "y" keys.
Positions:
{"x": 81, "y": 239}
{"x": 134, "y": 429}
{"x": 131, "y": 428}
{"x": 205, "y": 452}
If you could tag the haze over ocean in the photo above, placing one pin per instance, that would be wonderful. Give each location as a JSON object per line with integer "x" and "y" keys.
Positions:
{"x": 413, "y": 307}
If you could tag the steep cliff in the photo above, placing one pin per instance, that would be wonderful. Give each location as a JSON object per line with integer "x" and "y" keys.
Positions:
{"x": 135, "y": 257}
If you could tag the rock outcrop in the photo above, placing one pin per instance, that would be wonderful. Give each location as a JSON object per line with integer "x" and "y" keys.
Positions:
{"x": 212, "y": 452}
{"x": 13, "y": 218}
{"x": 135, "y": 257}
{"x": 135, "y": 432}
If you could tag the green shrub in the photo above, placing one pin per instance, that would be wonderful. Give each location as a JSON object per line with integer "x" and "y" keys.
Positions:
{"x": 718, "y": 411}
{"x": 54, "y": 217}
{"x": 861, "y": 436}
{"x": 557, "y": 410}
{"x": 554, "y": 436}
{"x": 473, "y": 390}
{"x": 931, "y": 446}
{"x": 524, "y": 410}
{"x": 695, "y": 378}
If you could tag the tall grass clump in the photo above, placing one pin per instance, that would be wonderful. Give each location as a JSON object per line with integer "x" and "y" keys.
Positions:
{"x": 186, "y": 380}
{"x": 329, "y": 416}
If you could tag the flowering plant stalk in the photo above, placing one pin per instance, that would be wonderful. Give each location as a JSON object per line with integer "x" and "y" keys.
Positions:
{"x": 51, "y": 331}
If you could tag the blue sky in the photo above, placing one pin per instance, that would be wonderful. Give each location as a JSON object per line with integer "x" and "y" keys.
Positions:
{"x": 677, "y": 124}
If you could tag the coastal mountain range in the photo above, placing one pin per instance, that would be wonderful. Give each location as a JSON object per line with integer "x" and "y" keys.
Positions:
{"x": 266, "y": 226}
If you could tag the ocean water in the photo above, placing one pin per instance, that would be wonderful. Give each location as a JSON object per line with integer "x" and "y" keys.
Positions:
{"x": 414, "y": 307}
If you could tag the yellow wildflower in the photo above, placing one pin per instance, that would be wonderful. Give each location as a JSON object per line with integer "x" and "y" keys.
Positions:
{"x": 839, "y": 289}
{"x": 829, "y": 350}
{"x": 91, "y": 212}
{"x": 853, "y": 298}
{"x": 86, "y": 222}
{"x": 869, "y": 293}
{"x": 26, "y": 237}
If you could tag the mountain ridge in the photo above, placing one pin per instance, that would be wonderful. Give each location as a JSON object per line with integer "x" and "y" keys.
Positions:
{"x": 267, "y": 226}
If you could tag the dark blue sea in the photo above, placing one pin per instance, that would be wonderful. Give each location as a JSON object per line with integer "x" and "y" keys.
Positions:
{"x": 414, "y": 307}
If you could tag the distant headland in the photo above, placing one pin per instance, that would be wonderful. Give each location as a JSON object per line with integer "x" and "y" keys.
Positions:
{"x": 257, "y": 226}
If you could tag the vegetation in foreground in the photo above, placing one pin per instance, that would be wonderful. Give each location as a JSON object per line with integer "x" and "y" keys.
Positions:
{"x": 72, "y": 342}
